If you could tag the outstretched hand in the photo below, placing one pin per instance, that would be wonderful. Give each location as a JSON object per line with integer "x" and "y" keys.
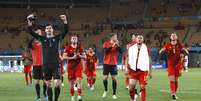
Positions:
{"x": 63, "y": 18}
{"x": 29, "y": 17}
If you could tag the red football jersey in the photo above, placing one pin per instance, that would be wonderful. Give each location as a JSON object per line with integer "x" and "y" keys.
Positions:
{"x": 90, "y": 62}
{"x": 110, "y": 57}
{"x": 70, "y": 51}
{"x": 173, "y": 52}
{"x": 37, "y": 53}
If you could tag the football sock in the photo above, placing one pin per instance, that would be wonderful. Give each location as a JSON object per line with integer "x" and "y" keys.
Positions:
{"x": 126, "y": 81}
{"x": 105, "y": 83}
{"x": 172, "y": 87}
{"x": 143, "y": 94}
{"x": 114, "y": 86}
{"x": 44, "y": 89}
{"x": 90, "y": 82}
{"x": 79, "y": 91}
{"x": 37, "y": 87}
{"x": 176, "y": 86}
{"x": 26, "y": 78}
{"x": 30, "y": 77}
{"x": 72, "y": 91}
{"x": 49, "y": 93}
{"x": 57, "y": 90}
{"x": 132, "y": 93}
{"x": 62, "y": 79}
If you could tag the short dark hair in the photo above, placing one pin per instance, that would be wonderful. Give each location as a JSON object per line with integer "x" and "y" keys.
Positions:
{"x": 132, "y": 33}
{"x": 75, "y": 34}
{"x": 49, "y": 24}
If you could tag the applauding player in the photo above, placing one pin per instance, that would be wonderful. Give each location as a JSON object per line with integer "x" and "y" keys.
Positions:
{"x": 74, "y": 53}
{"x": 111, "y": 51}
{"x": 90, "y": 69}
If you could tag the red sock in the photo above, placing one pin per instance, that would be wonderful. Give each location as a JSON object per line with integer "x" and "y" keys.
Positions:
{"x": 176, "y": 86}
{"x": 30, "y": 77}
{"x": 132, "y": 93}
{"x": 90, "y": 83}
{"x": 26, "y": 78}
{"x": 143, "y": 94}
{"x": 79, "y": 91}
{"x": 126, "y": 81}
{"x": 72, "y": 91}
{"x": 172, "y": 87}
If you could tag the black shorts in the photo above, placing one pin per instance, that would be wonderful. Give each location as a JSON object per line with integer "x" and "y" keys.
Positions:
{"x": 112, "y": 69}
{"x": 52, "y": 71}
{"x": 38, "y": 72}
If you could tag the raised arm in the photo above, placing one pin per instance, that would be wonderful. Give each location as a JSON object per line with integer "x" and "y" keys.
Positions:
{"x": 30, "y": 30}
{"x": 66, "y": 28}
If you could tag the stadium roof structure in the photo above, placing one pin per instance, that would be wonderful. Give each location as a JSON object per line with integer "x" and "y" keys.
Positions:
{"x": 52, "y": 3}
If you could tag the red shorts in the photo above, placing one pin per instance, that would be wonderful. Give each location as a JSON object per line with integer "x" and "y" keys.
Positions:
{"x": 27, "y": 68}
{"x": 141, "y": 76}
{"x": 174, "y": 71}
{"x": 74, "y": 73}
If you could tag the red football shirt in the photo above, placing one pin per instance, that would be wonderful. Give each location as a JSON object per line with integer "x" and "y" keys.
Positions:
{"x": 110, "y": 57}
{"x": 70, "y": 51}
{"x": 37, "y": 53}
{"x": 173, "y": 52}
{"x": 91, "y": 61}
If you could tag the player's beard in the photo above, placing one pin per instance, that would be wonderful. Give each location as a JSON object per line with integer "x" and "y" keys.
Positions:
{"x": 74, "y": 43}
{"x": 91, "y": 53}
{"x": 140, "y": 43}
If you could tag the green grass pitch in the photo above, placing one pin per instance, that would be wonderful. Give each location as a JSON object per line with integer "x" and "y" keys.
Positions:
{"x": 13, "y": 88}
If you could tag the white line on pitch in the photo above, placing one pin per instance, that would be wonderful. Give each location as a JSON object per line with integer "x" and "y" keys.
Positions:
{"x": 181, "y": 91}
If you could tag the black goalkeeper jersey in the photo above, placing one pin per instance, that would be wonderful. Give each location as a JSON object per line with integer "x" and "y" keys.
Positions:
{"x": 50, "y": 46}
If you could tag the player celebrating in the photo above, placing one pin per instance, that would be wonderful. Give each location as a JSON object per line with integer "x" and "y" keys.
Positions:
{"x": 50, "y": 44}
{"x": 27, "y": 61}
{"x": 139, "y": 67}
{"x": 36, "y": 49}
{"x": 174, "y": 50}
{"x": 111, "y": 50}
{"x": 74, "y": 53}
{"x": 90, "y": 69}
